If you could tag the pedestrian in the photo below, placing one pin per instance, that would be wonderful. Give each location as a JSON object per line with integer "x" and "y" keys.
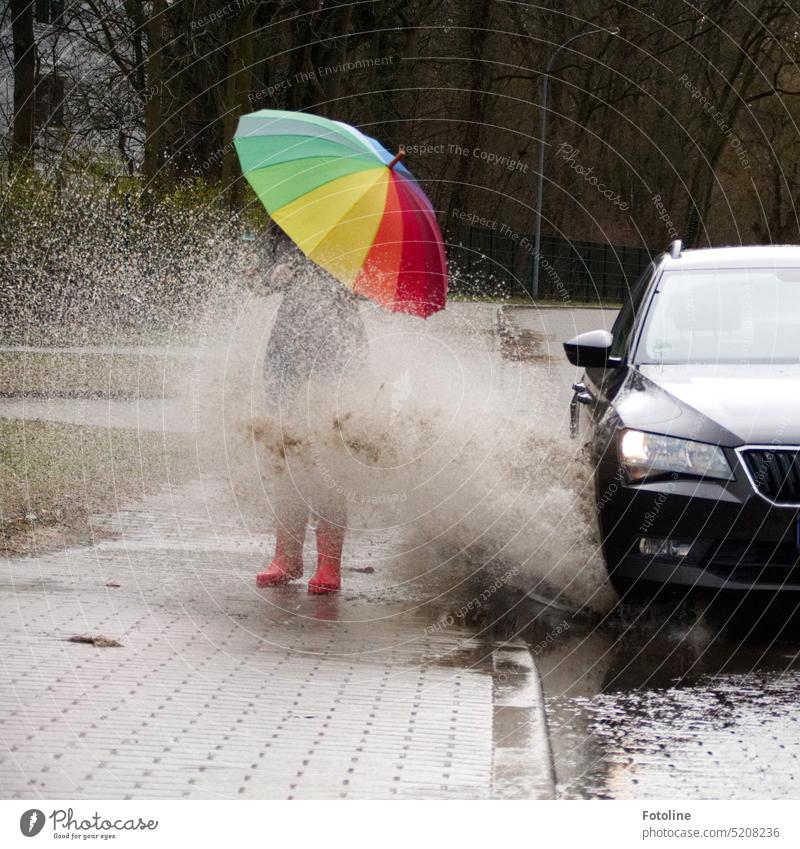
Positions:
{"x": 318, "y": 333}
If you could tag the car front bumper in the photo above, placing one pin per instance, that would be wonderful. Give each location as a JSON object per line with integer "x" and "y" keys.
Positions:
{"x": 739, "y": 541}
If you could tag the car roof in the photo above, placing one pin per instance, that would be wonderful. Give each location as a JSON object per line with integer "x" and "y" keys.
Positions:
{"x": 750, "y": 256}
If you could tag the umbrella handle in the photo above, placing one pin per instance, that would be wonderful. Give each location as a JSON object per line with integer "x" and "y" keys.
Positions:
{"x": 401, "y": 155}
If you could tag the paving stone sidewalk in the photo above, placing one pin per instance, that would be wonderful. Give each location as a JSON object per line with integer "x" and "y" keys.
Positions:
{"x": 222, "y": 690}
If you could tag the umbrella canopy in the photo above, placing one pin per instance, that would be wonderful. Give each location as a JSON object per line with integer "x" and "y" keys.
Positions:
{"x": 349, "y": 205}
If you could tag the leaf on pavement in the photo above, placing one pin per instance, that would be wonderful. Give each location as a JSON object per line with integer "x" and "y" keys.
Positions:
{"x": 96, "y": 640}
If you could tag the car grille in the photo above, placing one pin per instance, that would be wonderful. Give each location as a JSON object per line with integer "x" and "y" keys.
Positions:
{"x": 775, "y": 473}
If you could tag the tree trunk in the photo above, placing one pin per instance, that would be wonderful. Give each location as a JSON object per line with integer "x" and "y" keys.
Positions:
{"x": 237, "y": 98}
{"x": 24, "y": 83}
{"x": 153, "y": 121}
{"x": 479, "y": 19}
{"x": 329, "y": 52}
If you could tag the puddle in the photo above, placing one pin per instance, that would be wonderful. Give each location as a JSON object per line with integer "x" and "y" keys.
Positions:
{"x": 674, "y": 705}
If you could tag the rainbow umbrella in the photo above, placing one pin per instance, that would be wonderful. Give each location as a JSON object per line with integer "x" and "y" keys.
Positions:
{"x": 349, "y": 205}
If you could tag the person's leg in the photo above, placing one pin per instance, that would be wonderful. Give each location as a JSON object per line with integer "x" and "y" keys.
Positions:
{"x": 290, "y": 532}
{"x": 330, "y": 540}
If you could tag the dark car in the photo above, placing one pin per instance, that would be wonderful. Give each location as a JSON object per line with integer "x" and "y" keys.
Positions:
{"x": 691, "y": 410}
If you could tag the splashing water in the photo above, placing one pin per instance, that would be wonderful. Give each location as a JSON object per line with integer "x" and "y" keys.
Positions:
{"x": 440, "y": 443}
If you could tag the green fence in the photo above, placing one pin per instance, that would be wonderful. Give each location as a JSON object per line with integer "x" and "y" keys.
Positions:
{"x": 484, "y": 261}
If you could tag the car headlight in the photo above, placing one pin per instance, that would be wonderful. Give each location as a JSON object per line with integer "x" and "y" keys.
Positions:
{"x": 644, "y": 454}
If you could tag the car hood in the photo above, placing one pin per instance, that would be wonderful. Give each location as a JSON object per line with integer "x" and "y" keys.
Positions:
{"x": 753, "y": 403}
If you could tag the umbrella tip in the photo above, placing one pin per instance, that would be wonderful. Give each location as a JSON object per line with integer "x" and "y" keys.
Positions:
{"x": 400, "y": 155}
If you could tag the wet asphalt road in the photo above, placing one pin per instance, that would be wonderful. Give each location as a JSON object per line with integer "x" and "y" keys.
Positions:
{"x": 669, "y": 701}
{"x": 673, "y": 700}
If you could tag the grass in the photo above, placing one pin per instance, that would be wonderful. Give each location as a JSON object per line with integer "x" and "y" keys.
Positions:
{"x": 72, "y": 334}
{"x": 89, "y": 373}
{"x": 524, "y": 300}
{"x": 54, "y": 476}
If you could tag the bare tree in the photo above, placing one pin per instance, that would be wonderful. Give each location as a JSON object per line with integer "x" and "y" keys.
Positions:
{"x": 153, "y": 147}
{"x": 24, "y": 82}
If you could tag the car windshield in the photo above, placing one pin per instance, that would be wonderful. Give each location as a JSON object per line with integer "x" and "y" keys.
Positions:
{"x": 741, "y": 315}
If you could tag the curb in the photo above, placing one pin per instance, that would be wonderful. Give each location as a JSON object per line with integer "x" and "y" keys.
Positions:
{"x": 523, "y": 766}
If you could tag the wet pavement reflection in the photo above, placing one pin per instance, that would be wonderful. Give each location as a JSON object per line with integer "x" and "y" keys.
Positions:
{"x": 686, "y": 700}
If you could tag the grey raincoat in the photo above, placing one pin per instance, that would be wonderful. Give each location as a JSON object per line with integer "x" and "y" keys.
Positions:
{"x": 318, "y": 333}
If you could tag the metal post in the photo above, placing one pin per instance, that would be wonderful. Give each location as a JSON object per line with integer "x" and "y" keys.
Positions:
{"x": 537, "y": 233}
{"x": 537, "y": 222}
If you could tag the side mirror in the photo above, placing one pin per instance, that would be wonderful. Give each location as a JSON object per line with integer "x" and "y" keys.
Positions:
{"x": 591, "y": 350}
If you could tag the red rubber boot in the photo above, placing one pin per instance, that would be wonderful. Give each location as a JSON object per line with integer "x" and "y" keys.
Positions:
{"x": 288, "y": 561}
{"x": 330, "y": 539}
